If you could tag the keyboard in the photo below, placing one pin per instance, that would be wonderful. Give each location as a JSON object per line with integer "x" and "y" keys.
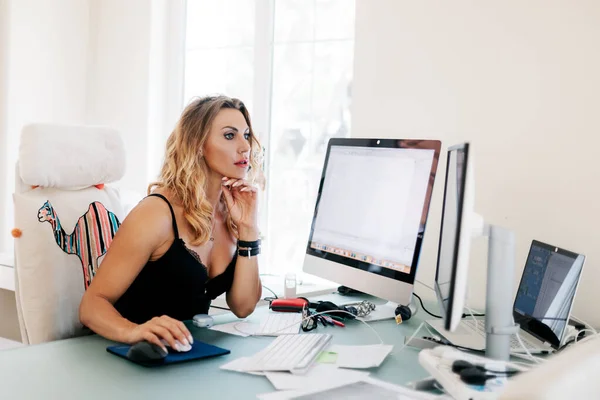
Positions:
{"x": 515, "y": 346}
{"x": 294, "y": 353}
{"x": 280, "y": 323}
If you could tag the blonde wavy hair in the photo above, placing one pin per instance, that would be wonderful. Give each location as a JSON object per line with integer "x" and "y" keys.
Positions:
{"x": 184, "y": 171}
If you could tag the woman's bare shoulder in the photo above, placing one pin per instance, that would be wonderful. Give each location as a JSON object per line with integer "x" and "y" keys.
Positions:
{"x": 153, "y": 214}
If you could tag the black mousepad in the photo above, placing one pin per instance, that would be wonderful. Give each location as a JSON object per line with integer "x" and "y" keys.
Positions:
{"x": 199, "y": 350}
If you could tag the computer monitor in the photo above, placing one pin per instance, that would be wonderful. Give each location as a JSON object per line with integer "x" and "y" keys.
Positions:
{"x": 370, "y": 214}
{"x": 547, "y": 291}
{"x": 455, "y": 236}
{"x": 460, "y": 223}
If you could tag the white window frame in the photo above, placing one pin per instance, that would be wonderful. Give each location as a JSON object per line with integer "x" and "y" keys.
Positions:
{"x": 264, "y": 46}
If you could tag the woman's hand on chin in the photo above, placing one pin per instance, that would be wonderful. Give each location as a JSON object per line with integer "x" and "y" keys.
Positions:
{"x": 241, "y": 198}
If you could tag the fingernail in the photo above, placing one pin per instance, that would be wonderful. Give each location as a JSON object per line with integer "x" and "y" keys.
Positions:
{"x": 224, "y": 178}
{"x": 185, "y": 342}
{"x": 177, "y": 346}
{"x": 191, "y": 339}
{"x": 164, "y": 349}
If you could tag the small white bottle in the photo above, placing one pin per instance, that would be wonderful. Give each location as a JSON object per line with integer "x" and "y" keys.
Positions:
{"x": 289, "y": 286}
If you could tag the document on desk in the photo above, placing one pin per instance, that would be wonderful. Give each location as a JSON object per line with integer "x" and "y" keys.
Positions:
{"x": 366, "y": 388}
{"x": 238, "y": 328}
{"x": 320, "y": 375}
{"x": 367, "y": 356}
{"x": 240, "y": 365}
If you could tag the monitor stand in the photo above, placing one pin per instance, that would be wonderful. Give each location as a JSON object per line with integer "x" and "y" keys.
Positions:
{"x": 499, "y": 322}
{"x": 386, "y": 311}
{"x": 381, "y": 312}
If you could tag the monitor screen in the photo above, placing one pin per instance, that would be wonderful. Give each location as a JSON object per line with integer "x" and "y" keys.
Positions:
{"x": 373, "y": 203}
{"x": 451, "y": 225}
{"x": 547, "y": 290}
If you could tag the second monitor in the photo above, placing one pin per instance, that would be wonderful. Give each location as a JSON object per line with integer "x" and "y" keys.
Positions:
{"x": 370, "y": 215}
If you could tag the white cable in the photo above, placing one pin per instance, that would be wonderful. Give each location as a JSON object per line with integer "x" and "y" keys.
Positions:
{"x": 410, "y": 338}
{"x": 532, "y": 362}
{"x": 474, "y": 319}
{"x": 585, "y": 339}
{"x": 531, "y": 357}
{"x": 316, "y": 322}
{"x": 588, "y": 326}
{"x": 576, "y": 333}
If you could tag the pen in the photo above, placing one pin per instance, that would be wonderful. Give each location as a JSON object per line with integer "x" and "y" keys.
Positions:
{"x": 338, "y": 323}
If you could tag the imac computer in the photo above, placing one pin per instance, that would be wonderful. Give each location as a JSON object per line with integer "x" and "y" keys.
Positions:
{"x": 459, "y": 225}
{"x": 370, "y": 215}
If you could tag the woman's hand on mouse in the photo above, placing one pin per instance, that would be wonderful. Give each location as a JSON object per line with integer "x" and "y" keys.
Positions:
{"x": 241, "y": 198}
{"x": 159, "y": 328}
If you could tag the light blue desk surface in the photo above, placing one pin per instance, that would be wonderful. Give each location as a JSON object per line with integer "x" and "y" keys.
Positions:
{"x": 81, "y": 368}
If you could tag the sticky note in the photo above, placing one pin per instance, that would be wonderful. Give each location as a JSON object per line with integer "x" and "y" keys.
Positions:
{"x": 327, "y": 357}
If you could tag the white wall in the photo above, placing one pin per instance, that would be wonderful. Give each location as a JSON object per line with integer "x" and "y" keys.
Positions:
{"x": 131, "y": 71}
{"x": 45, "y": 72}
{"x": 100, "y": 62}
{"x": 520, "y": 81}
{"x": 118, "y": 78}
{"x": 4, "y": 41}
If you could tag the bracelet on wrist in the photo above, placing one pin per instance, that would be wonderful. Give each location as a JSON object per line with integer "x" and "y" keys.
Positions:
{"x": 248, "y": 251}
{"x": 244, "y": 243}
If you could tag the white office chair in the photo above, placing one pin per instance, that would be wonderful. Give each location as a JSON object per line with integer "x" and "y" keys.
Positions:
{"x": 65, "y": 219}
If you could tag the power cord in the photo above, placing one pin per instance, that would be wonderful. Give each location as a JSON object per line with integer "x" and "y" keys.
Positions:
{"x": 270, "y": 298}
{"x": 266, "y": 299}
{"x": 423, "y": 306}
{"x": 438, "y": 316}
{"x": 221, "y": 308}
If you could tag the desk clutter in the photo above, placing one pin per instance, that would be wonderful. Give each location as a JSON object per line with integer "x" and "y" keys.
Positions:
{"x": 302, "y": 361}
{"x": 308, "y": 364}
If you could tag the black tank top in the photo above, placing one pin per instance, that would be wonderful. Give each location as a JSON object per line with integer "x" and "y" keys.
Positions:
{"x": 176, "y": 284}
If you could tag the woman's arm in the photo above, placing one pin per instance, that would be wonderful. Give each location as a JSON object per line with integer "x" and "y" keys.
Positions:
{"x": 145, "y": 229}
{"x": 241, "y": 199}
{"x": 246, "y": 289}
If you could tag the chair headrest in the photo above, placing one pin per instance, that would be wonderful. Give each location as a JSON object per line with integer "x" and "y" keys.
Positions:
{"x": 69, "y": 156}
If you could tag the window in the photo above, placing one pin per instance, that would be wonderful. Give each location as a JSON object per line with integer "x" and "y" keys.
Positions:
{"x": 291, "y": 62}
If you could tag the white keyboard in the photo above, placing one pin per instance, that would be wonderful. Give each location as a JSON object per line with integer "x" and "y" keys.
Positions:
{"x": 280, "y": 323}
{"x": 294, "y": 353}
{"x": 515, "y": 346}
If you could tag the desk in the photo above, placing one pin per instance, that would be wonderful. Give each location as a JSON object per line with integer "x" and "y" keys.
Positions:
{"x": 81, "y": 368}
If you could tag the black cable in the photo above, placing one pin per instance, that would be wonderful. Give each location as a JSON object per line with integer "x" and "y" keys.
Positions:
{"x": 423, "y": 307}
{"x": 270, "y": 298}
{"x": 447, "y": 343}
{"x": 437, "y": 316}
{"x": 221, "y": 308}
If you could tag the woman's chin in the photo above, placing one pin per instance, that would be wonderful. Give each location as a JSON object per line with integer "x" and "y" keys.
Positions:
{"x": 239, "y": 174}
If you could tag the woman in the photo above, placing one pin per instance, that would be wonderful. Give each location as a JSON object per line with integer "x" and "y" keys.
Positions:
{"x": 193, "y": 238}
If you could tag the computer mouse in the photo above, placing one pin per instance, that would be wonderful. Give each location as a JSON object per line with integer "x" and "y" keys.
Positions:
{"x": 203, "y": 321}
{"x": 181, "y": 348}
{"x": 146, "y": 352}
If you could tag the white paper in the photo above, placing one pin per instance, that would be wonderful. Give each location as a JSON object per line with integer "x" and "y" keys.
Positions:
{"x": 240, "y": 365}
{"x": 367, "y": 388}
{"x": 279, "y": 395}
{"x": 320, "y": 375}
{"x": 367, "y": 356}
{"x": 238, "y": 328}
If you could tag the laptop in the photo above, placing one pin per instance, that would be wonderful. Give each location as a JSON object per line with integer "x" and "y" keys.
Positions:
{"x": 542, "y": 306}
